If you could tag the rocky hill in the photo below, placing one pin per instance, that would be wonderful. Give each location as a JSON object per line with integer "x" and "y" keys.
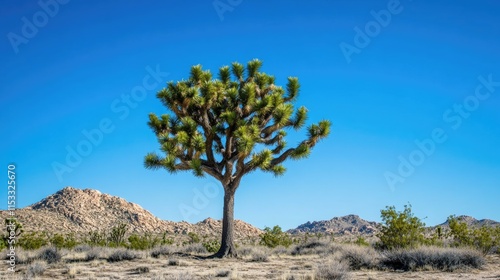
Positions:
{"x": 346, "y": 225}
{"x": 353, "y": 225}
{"x": 80, "y": 211}
{"x": 473, "y": 222}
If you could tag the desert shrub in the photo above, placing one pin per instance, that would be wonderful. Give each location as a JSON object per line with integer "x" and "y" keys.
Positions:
{"x": 35, "y": 269}
{"x": 57, "y": 240}
{"x": 195, "y": 248}
{"x": 143, "y": 242}
{"x": 360, "y": 241}
{"x": 446, "y": 259}
{"x": 173, "y": 262}
{"x": 223, "y": 273}
{"x": 259, "y": 256}
{"x": 483, "y": 238}
{"x": 82, "y": 248}
{"x": 178, "y": 276}
{"x": 400, "y": 229}
{"x": 360, "y": 257}
{"x": 122, "y": 255}
{"x": 312, "y": 247}
{"x": 71, "y": 272}
{"x": 275, "y": 237}
{"x": 93, "y": 254}
{"x": 332, "y": 271}
{"x": 439, "y": 232}
{"x": 96, "y": 238}
{"x": 497, "y": 236}
{"x": 246, "y": 251}
{"x": 22, "y": 256}
{"x": 436, "y": 238}
{"x": 116, "y": 237}
{"x": 280, "y": 250}
{"x": 212, "y": 246}
{"x": 32, "y": 240}
{"x": 193, "y": 237}
{"x": 70, "y": 241}
{"x": 50, "y": 255}
{"x": 14, "y": 229}
{"x": 142, "y": 269}
{"x": 63, "y": 241}
{"x": 161, "y": 251}
{"x": 165, "y": 240}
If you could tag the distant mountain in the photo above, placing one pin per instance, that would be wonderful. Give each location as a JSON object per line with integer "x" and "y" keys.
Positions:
{"x": 471, "y": 221}
{"x": 80, "y": 211}
{"x": 354, "y": 225}
{"x": 346, "y": 225}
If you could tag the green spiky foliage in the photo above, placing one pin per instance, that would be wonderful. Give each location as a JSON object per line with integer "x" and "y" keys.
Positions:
{"x": 231, "y": 125}
{"x": 217, "y": 124}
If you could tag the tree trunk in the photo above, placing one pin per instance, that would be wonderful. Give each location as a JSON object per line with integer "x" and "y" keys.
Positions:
{"x": 227, "y": 248}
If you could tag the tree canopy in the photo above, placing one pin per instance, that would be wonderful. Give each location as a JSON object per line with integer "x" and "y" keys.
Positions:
{"x": 232, "y": 125}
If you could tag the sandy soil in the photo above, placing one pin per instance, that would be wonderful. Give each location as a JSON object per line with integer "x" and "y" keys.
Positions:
{"x": 278, "y": 267}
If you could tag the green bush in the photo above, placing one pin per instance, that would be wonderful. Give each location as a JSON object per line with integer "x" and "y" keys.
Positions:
{"x": 361, "y": 241}
{"x": 165, "y": 240}
{"x": 116, "y": 237}
{"x": 484, "y": 238}
{"x": 63, "y": 241}
{"x": 12, "y": 226}
{"x": 57, "y": 240}
{"x": 96, "y": 238}
{"x": 437, "y": 238}
{"x": 212, "y": 246}
{"x": 460, "y": 232}
{"x": 194, "y": 238}
{"x": 275, "y": 237}
{"x": 143, "y": 242}
{"x": 400, "y": 229}
{"x": 32, "y": 240}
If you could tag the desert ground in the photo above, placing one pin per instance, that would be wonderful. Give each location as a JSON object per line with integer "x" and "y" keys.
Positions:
{"x": 338, "y": 249}
{"x": 253, "y": 263}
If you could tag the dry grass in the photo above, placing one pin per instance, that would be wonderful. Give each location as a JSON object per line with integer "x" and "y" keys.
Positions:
{"x": 161, "y": 251}
{"x": 35, "y": 269}
{"x": 360, "y": 257}
{"x": 50, "y": 255}
{"x": 332, "y": 270}
{"x": 433, "y": 258}
{"x": 309, "y": 261}
{"x": 72, "y": 271}
{"x": 123, "y": 255}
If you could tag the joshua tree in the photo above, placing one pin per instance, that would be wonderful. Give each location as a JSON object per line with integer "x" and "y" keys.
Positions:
{"x": 229, "y": 127}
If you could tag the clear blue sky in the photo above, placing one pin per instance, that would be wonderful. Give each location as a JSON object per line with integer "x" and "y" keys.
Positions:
{"x": 69, "y": 68}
